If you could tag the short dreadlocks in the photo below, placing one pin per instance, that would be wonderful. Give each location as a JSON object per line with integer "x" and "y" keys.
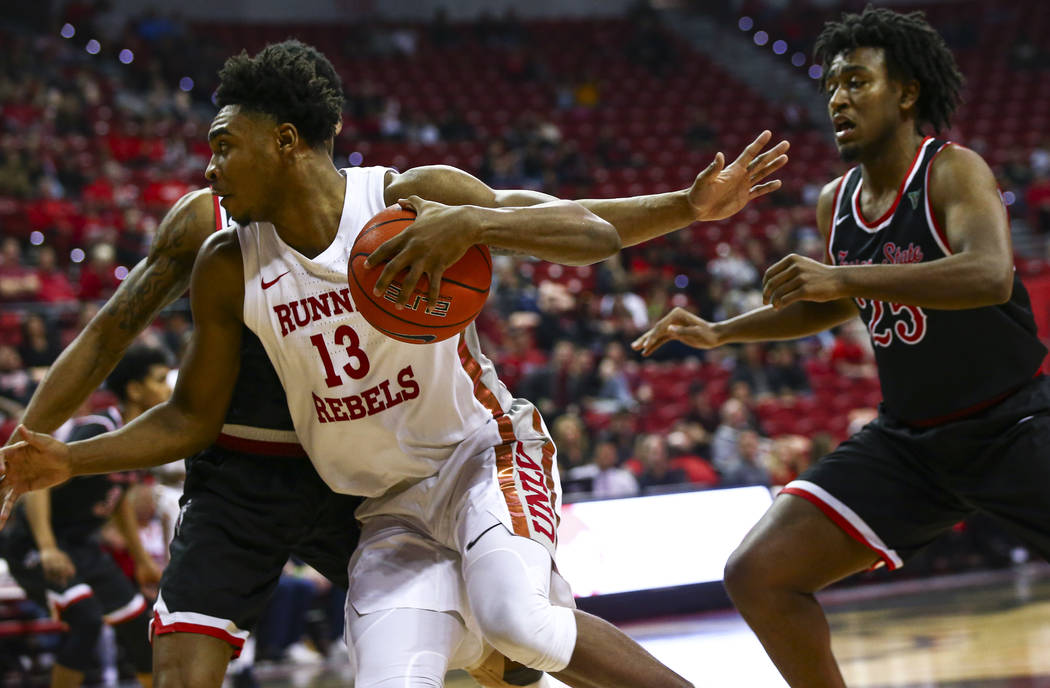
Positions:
{"x": 913, "y": 50}
{"x": 289, "y": 81}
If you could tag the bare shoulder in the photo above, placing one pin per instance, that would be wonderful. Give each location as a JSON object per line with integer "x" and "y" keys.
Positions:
{"x": 185, "y": 227}
{"x": 824, "y": 205}
{"x": 958, "y": 169}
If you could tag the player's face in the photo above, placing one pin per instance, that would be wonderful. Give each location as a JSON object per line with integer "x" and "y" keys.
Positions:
{"x": 863, "y": 102}
{"x": 243, "y": 163}
{"x": 152, "y": 389}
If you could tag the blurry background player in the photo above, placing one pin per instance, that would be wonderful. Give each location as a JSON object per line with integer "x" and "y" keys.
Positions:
{"x": 918, "y": 241}
{"x": 54, "y": 549}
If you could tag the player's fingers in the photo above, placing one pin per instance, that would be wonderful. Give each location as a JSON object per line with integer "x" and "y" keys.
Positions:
{"x": 655, "y": 343}
{"x": 392, "y": 269}
{"x": 786, "y": 293}
{"x": 755, "y": 147}
{"x": 413, "y": 203}
{"x": 408, "y": 284}
{"x": 774, "y": 282}
{"x": 763, "y": 189}
{"x": 385, "y": 250}
{"x": 760, "y": 172}
{"x": 434, "y": 292}
{"x": 713, "y": 169}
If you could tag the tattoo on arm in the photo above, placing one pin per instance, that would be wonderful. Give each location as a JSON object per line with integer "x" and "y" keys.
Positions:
{"x": 160, "y": 279}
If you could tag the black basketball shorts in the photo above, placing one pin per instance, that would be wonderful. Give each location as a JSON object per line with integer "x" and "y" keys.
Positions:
{"x": 895, "y": 488}
{"x": 97, "y": 575}
{"x": 242, "y": 517}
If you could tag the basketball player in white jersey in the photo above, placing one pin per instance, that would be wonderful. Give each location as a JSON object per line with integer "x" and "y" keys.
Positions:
{"x": 460, "y": 524}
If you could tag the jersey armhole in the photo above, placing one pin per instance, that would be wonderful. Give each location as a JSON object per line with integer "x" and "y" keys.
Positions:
{"x": 939, "y": 237}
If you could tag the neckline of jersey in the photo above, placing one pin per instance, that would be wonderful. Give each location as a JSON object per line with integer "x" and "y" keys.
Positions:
{"x": 900, "y": 192}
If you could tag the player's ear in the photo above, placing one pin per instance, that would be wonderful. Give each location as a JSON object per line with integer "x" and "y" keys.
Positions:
{"x": 287, "y": 137}
{"x": 910, "y": 91}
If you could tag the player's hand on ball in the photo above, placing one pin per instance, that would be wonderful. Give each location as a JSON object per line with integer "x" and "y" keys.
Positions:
{"x": 436, "y": 240}
{"x": 35, "y": 462}
{"x": 680, "y": 325}
{"x": 797, "y": 278}
{"x": 720, "y": 191}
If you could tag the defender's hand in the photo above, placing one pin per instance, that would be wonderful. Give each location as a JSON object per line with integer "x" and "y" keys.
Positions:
{"x": 57, "y": 565}
{"x": 679, "y": 325}
{"x": 36, "y": 462}
{"x": 438, "y": 238}
{"x": 797, "y": 278}
{"x": 720, "y": 192}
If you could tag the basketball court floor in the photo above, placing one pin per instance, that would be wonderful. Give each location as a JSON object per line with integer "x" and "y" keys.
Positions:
{"x": 977, "y": 630}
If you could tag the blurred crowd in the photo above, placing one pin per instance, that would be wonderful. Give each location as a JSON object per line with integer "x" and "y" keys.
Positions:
{"x": 94, "y": 148}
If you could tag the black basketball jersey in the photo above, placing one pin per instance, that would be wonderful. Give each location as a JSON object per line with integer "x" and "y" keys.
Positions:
{"x": 933, "y": 364}
{"x": 257, "y": 420}
{"x": 83, "y": 504}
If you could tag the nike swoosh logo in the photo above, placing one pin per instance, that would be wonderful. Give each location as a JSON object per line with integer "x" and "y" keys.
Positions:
{"x": 841, "y": 219}
{"x": 267, "y": 285}
{"x": 475, "y": 540}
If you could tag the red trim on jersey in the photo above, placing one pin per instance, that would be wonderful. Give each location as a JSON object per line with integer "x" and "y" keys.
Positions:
{"x": 263, "y": 448}
{"x": 158, "y": 628}
{"x": 218, "y": 213}
{"x": 900, "y": 192}
{"x": 129, "y": 615}
{"x": 933, "y": 215}
{"x": 841, "y": 522}
{"x": 834, "y": 217}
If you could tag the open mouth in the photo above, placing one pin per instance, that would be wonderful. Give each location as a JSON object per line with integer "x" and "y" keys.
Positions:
{"x": 843, "y": 127}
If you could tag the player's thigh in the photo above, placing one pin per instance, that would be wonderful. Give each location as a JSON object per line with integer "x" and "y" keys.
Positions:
{"x": 224, "y": 567}
{"x": 329, "y": 542}
{"x": 870, "y": 500}
{"x": 189, "y": 660}
{"x": 411, "y": 648}
{"x": 1011, "y": 481}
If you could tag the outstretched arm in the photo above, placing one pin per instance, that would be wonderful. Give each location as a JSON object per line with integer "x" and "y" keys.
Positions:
{"x": 762, "y": 324}
{"x": 184, "y": 424}
{"x": 155, "y": 282}
{"x": 460, "y": 210}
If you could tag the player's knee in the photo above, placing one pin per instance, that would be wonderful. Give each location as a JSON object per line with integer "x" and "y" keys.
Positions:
{"x": 84, "y": 619}
{"x": 133, "y": 637}
{"x": 744, "y": 575}
{"x": 176, "y": 665}
{"x": 532, "y": 632}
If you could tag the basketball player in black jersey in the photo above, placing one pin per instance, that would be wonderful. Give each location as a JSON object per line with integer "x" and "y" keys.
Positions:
{"x": 918, "y": 241}
{"x": 54, "y": 550}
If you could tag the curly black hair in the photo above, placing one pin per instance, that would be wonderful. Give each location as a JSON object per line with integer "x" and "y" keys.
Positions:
{"x": 913, "y": 50}
{"x": 289, "y": 81}
{"x": 135, "y": 367}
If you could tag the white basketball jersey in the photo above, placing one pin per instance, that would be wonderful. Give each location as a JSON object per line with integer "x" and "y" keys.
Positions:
{"x": 370, "y": 411}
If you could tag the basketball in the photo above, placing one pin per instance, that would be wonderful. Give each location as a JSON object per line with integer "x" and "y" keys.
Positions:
{"x": 464, "y": 287}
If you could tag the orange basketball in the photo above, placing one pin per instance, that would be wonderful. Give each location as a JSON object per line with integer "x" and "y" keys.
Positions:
{"x": 464, "y": 287}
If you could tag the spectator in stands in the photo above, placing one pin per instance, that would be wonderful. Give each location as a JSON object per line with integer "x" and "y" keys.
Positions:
{"x": 40, "y": 346}
{"x": 851, "y": 352}
{"x": 570, "y": 437}
{"x": 786, "y": 377}
{"x": 656, "y": 470}
{"x": 789, "y": 456}
{"x": 732, "y": 268}
{"x": 622, "y": 432}
{"x": 687, "y": 444}
{"x": 54, "y": 283}
{"x": 614, "y": 389}
{"x": 724, "y": 444}
{"x": 701, "y": 411}
{"x": 15, "y": 382}
{"x": 17, "y": 282}
{"x": 98, "y": 279}
{"x": 748, "y": 468}
{"x": 1037, "y": 198}
{"x": 606, "y": 479}
{"x": 752, "y": 369}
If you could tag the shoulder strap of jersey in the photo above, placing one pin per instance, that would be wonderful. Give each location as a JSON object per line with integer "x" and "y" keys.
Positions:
{"x": 221, "y": 220}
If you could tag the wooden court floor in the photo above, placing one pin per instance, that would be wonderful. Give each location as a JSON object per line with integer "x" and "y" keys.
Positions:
{"x": 984, "y": 630}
